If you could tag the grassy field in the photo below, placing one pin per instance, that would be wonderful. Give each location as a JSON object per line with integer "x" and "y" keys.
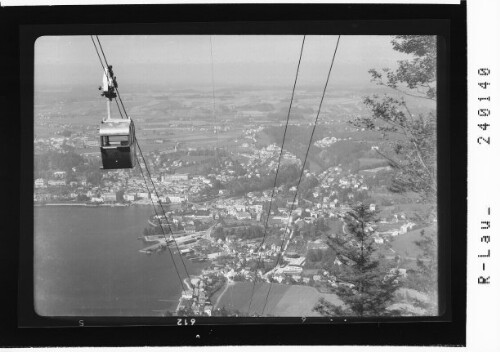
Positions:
{"x": 237, "y": 297}
{"x": 284, "y": 300}
{"x": 404, "y": 244}
{"x": 368, "y": 163}
{"x": 299, "y": 301}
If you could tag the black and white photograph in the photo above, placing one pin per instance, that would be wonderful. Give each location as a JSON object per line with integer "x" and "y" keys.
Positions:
{"x": 246, "y": 176}
{"x": 258, "y": 175}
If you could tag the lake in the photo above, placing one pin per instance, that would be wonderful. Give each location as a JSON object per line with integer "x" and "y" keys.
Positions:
{"x": 86, "y": 263}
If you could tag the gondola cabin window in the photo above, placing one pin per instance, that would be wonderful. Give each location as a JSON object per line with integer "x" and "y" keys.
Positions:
{"x": 115, "y": 141}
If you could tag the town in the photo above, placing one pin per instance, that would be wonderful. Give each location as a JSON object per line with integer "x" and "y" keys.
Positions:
{"x": 214, "y": 189}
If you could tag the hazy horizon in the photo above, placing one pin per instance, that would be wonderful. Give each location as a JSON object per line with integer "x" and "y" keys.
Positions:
{"x": 182, "y": 61}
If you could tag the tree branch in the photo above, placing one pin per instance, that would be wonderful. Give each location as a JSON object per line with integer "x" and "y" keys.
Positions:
{"x": 417, "y": 148}
{"x": 404, "y": 92}
{"x": 401, "y": 167}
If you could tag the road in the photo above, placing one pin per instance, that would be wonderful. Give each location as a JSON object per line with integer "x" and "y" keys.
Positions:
{"x": 227, "y": 285}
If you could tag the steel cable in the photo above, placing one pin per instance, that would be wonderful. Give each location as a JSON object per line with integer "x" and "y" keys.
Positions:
{"x": 303, "y": 166}
{"x": 277, "y": 171}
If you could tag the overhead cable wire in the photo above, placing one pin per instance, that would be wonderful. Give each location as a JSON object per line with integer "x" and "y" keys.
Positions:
{"x": 213, "y": 99}
{"x": 161, "y": 226}
{"x": 214, "y": 112}
{"x": 102, "y": 50}
{"x": 163, "y": 210}
{"x": 303, "y": 166}
{"x": 105, "y": 71}
{"x": 98, "y": 55}
{"x": 119, "y": 110}
{"x": 144, "y": 160}
{"x": 277, "y": 171}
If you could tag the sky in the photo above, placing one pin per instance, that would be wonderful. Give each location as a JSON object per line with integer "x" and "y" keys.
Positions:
{"x": 184, "y": 61}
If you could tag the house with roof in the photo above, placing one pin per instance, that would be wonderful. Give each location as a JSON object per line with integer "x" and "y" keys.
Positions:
{"x": 40, "y": 183}
{"x": 243, "y": 215}
{"x": 208, "y": 309}
{"x": 59, "y": 174}
{"x": 57, "y": 183}
{"x": 109, "y": 197}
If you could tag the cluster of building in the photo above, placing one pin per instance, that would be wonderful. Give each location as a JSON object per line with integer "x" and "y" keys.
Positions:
{"x": 328, "y": 141}
{"x": 84, "y": 139}
{"x": 196, "y": 298}
{"x": 266, "y": 159}
{"x": 119, "y": 186}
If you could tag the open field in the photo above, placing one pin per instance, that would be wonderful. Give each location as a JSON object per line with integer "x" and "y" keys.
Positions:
{"x": 283, "y": 299}
{"x": 368, "y": 163}
{"x": 307, "y": 296}
{"x": 237, "y": 297}
{"x": 405, "y": 245}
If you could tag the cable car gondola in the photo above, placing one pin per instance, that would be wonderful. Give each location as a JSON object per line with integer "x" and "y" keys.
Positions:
{"x": 117, "y": 140}
{"x": 116, "y": 136}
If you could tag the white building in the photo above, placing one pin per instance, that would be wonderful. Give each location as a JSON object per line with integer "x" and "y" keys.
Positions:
{"x": 398, "y": 271}
{"x": 279, "y": 278}
{"x": 240, "y": 207}
{"x": 406, "y": 227}
{"x": 243, "y": 215}
{"x": 162, "y": 199}
{"x": 40, "y": 183}
{"x": 187, "y": 294}
{"x": 59, "y": 174}
{"x": 256, "y": 207}
{"x": 174, "y": 177}
{"x": 109, "y": 197}
{"x": 208, "y": 310}
{"x": 57, "y": 183}
{"x": 296, "y": 261}
{"x": 291, "y": 269}
{"x": 176, "y": 199}
{"x": 129, "y": 197}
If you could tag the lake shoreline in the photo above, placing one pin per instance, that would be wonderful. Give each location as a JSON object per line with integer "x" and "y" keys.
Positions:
{"x": 87, "y": 262}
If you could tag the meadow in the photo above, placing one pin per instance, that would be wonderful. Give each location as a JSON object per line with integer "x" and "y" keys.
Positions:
{"x": 283, "y": 300}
